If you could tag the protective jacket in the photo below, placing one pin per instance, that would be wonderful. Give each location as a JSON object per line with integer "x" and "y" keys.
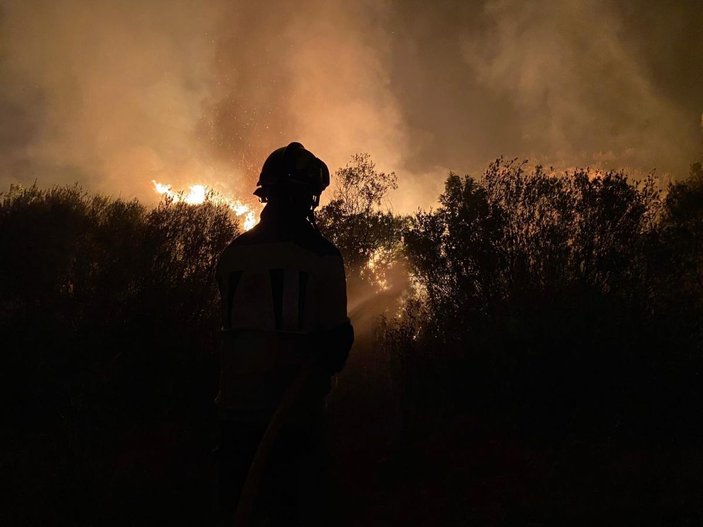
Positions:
{"x": 284, "y": 304}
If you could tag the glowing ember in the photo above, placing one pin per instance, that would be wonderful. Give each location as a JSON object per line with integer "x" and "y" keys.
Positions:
{"x": 377, "y": 265}
{"x": 198, "y": 194}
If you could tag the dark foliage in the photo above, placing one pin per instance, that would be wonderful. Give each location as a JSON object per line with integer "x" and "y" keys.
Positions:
{"x": 355, "y": 223}
{"x": 563, "y": 309}
{"x": 108, "y": 311}
{"x": 568, "y": 305}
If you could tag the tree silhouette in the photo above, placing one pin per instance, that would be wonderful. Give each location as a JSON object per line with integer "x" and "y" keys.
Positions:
{"x": 541, "y": 299}
{"x": 355, "y": 222}
{"x": 550, "y": 305}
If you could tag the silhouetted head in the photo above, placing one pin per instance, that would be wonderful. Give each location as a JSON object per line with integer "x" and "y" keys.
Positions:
{"x": 293, "y": 178}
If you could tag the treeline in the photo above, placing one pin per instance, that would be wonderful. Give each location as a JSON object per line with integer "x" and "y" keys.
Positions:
{"x": 568, "y": 305}
{"x": 555, "y": 304}
{"x": 564, "y": 303}
{"x": 93, "y": 285}
{"x": 109, "y": 315}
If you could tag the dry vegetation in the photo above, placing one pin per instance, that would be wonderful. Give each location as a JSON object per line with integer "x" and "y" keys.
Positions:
{"x": 540, "y": 356}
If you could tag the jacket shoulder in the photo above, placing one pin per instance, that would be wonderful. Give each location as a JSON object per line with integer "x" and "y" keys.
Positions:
{"x": 307, "y": 238}
{"x": 326, "y": 247}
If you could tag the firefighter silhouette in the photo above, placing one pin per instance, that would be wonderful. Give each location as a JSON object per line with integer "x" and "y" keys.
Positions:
{"x": 285, "y": 334}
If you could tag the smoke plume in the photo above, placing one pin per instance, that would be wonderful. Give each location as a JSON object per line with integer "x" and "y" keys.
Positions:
{"x": 117, "y": 93}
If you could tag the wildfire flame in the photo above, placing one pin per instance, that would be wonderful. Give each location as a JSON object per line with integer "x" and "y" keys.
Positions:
{"x": 198, "y": 194}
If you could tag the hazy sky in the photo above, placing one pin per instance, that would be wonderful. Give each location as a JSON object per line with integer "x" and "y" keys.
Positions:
{"x": 115, "y": 93}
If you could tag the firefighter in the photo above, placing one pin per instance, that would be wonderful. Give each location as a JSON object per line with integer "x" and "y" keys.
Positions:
{"x": 284, "y": 309}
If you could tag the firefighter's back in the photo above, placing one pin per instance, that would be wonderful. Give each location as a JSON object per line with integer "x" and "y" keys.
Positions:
{"x": 282, "y": 283}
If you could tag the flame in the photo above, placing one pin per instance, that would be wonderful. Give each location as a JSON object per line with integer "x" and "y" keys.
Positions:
{"x": 198, "y": 194}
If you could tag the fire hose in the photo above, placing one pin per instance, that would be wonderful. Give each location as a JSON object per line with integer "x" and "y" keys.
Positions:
{"x": 262, "y": 457}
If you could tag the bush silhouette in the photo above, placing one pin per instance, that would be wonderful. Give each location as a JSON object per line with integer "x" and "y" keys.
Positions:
{"x": 542, "y": 301}
{"x": 355, "y": 222}
{"x": 109, "y": 314}
{"x": 553, "y": 305}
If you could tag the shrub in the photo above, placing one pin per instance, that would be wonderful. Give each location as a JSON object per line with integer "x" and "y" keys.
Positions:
{"x": 542, "y": 304}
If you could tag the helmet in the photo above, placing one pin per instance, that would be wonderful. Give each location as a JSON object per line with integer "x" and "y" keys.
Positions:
{"x": 290, "y": 167}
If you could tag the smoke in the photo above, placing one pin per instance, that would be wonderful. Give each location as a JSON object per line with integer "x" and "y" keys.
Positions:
{"x": 104, "y": 93}
{"x": 579, "y": 90}
{"x": 311, "y": 71}
{"x": 117, "y": 93}
{"x": 605, "y": 84}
